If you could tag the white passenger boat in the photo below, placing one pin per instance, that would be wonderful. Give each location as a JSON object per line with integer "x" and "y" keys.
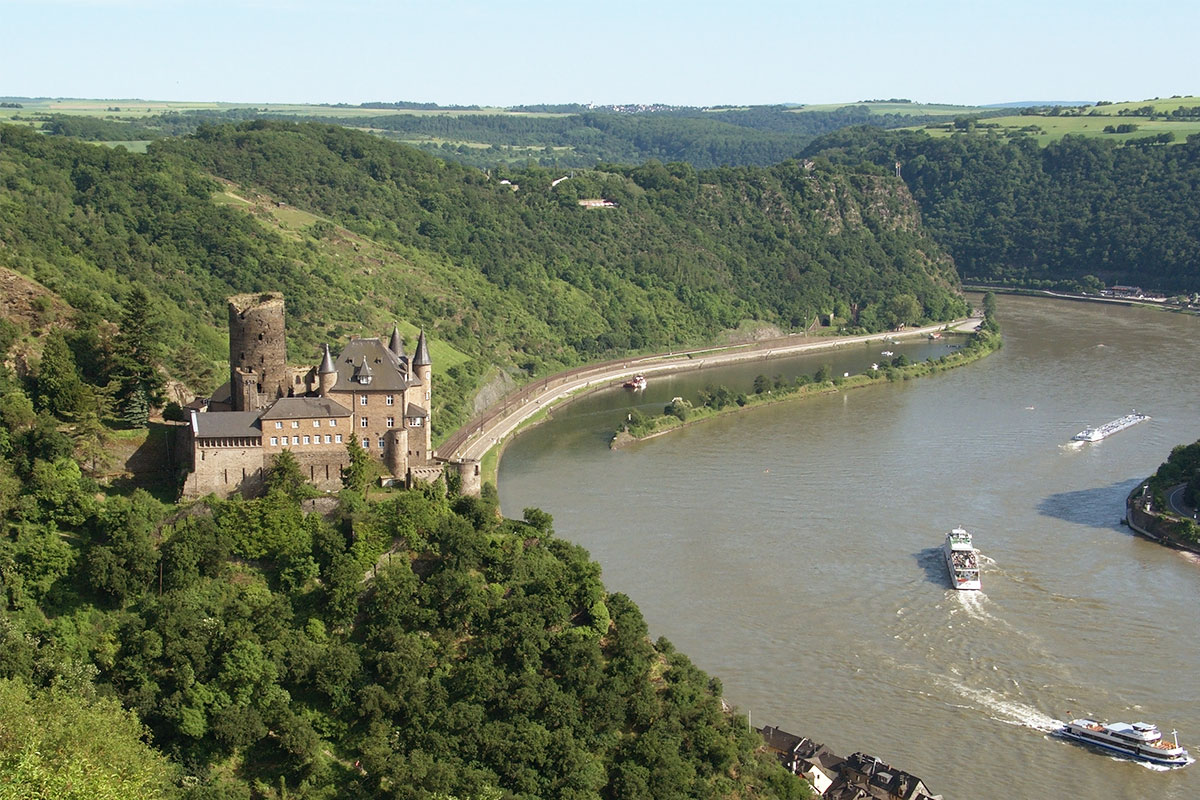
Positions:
{"x": 1139, "y": 740}
{"x": 1109, "y": 428}
{"x": 962, "y": 560}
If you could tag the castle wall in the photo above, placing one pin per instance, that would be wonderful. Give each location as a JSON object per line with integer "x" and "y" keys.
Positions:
{"x": 225, "y": 470}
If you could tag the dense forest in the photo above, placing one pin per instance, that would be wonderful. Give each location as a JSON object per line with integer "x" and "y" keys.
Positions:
{"x": 1014, "y": 214}
{"x": 504, "y": 271}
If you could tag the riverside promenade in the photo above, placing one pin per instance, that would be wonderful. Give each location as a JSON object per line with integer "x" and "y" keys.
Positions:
{"x": 472, "y": 441}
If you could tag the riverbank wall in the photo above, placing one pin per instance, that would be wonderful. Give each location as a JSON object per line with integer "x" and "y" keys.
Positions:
{"x": 1159, "y": 527}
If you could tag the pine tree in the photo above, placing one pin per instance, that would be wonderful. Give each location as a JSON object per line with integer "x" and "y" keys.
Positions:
{"x": 357, "y": 474}
{"x": 137, "y": 355}
{"x": 60, "y": 391}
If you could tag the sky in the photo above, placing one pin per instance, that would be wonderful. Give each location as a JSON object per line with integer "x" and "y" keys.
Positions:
{"x": 517, "y": 52}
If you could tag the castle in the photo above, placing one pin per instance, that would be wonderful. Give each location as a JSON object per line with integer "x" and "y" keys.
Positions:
{"x": 371, "y": 389}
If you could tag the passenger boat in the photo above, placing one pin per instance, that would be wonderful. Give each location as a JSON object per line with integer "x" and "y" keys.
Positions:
{"x": 1109, "y": 428}
{"x": 637, "y": 383}
{"x": 1139, "y": 740}
{"x": 962, "y": 560}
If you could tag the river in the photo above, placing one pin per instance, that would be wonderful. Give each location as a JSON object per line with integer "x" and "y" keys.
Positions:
{"x": 793, "y": 550}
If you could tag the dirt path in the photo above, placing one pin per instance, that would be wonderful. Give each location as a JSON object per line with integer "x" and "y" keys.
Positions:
{"x": 473, "y": 440}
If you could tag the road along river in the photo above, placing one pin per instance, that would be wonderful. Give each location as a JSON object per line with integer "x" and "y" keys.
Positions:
{"x": 793, "y": 550}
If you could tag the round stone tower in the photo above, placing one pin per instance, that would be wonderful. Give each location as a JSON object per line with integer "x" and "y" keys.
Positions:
{"x": 422, "y": 366}
{"x": 257, "y": 350}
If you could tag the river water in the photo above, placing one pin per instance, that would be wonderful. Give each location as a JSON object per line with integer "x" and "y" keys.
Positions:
{"x": 793, "y": 550}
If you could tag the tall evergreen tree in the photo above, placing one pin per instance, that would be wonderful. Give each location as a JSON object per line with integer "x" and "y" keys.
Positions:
{"x": 137, "y": 356}
{"x": 60, "y": 391}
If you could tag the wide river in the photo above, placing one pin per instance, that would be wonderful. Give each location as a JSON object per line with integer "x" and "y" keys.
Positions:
{"x": 793, "y": 551}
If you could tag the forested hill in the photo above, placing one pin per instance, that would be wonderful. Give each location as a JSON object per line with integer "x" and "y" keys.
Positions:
{"x": 358, "y": 231}
{"x": 1014, "y": 213}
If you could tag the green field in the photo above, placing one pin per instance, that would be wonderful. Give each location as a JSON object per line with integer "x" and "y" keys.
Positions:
{"x": 1091, "y": 121}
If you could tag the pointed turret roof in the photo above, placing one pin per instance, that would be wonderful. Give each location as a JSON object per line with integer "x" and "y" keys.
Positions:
{"x": 421, "y": 359}
{"x": 396, "y": 345}
{"x": 326, "y": 363}
{"x": 363, "y": 370}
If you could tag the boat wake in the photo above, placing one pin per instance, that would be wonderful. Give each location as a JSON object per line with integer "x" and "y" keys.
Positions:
{"x": 1006, "y": 710}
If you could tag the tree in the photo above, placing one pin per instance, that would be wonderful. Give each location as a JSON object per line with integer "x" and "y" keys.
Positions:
{"x": 60, "y": 391}
{"x": 56, "y": 744}
{"x": 137, "y": 356}
{"x": 284, "y": 475}
{"x": 356, "y": 475}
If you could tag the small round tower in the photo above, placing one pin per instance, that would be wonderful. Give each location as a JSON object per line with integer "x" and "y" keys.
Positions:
{"x": 326, "y": 373}
{"x": 422, "y": 368}
{"x": 257, "y": 350}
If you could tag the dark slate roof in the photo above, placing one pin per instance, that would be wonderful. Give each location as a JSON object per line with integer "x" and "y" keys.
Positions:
{"x": 326, "y": 363}
{"x": 421, "y": 357}
{"x": 387, "y": 370}
{"x": 415, "y": 410}
{"x": 227, "y": 424}
{"x": 396, "y": 345}
{"x": 305, "y": 408}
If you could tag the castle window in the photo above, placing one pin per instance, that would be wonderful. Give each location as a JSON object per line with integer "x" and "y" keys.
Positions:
{"x": 278, "y": 426}
{"x": 362, "y": 399}
{"x": 333, "y": 423}
{"x": 295, "y": 423}
{"x": 366, "y": 442}
{"x": 274, "y": 440}
{"x": 391, "y": 400}
{"x": 295, "y": 440}
{"x": 414, "y": 422}
{"x": 306, "y": 441}
{"x": 260, "y": 337}
{"x": 391, "y": 421}
{"x": 328, "y": 438}
{"x": 381, "y": 444}
{"x": 316, "y": 423}
{"x": 362, "y": 421}
{"x": 338, "y": 438}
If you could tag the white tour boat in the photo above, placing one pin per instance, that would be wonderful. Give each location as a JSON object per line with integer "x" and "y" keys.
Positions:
{"x": 1139, "y": 740}
{"x": 962, "y": 560}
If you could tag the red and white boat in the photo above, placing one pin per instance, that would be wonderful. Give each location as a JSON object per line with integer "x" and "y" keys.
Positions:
{"x": 637, "y": 383}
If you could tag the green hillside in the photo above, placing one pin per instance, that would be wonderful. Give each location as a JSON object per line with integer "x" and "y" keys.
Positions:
{"x": 1014, "y": 213}
{"x": 357, "y": 231}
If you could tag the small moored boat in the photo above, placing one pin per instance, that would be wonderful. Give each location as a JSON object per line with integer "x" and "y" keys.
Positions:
{"x": 637, "y": 383}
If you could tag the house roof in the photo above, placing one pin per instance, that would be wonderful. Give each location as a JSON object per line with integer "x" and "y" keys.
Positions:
{"x": 227, "y": 425}
{"x": 388, "y": 371}
{"x": 415, "y": 410}
{"x": 305, "y": 408}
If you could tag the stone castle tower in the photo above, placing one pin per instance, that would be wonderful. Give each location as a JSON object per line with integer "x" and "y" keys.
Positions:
{"x": 258, "y": 373}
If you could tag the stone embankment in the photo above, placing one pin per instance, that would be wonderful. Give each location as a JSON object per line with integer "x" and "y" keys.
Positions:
{"x": 1160, "y": 526}
{"x": 476, "y": 438}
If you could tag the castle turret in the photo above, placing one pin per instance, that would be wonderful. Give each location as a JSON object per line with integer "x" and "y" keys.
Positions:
{"x": 326, "y": 373}
{"x": 257, "y": 350}
{"x": 396, "y": 343}
{"x": 422, "y": 368}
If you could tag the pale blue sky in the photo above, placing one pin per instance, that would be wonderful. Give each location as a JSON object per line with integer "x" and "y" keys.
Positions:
{"x": 607, "y": 51}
